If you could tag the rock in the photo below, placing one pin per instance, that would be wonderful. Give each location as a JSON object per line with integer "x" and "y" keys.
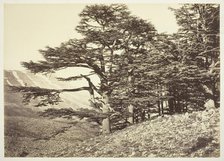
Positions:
{"x": 151, "y": 156}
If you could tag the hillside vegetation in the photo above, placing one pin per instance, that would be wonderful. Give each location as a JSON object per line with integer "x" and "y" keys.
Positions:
{"x": 186, "y": 135}
{"x": 25, "y": 136}
{"x": 26, "y": 133}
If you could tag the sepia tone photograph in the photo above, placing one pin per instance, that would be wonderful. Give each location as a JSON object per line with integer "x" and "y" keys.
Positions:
{"x": 115, "y": 80}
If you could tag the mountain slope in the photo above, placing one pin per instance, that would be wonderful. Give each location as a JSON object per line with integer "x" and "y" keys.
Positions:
{"x": 73, "y": 100}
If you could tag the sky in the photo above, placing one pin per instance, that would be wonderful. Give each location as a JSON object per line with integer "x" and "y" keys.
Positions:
{"x": 30, "y": 27}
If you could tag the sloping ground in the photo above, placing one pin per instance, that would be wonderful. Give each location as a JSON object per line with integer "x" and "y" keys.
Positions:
{"x": 26, "y": 133}
{"x": 26, "y": 136}
{"x": 188, "y": 135}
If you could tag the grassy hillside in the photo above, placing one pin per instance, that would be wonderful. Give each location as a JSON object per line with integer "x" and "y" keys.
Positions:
{"x": 26, "y": 133}
{"x": 26, "y": 136}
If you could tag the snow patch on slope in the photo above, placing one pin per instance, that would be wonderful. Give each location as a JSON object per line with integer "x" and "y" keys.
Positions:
{"x": 18, "y": 79}
{"x": 8, "y": 82}
{"x": 49, "y": 82}
{"x": 74, "y": 100}
{"x": 33, "y": 81}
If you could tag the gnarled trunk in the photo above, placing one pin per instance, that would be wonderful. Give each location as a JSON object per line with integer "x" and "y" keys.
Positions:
{"x": 212, "y": 101}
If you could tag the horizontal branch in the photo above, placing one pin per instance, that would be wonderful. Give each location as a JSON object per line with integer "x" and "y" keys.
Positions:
{"x": 74, "y": 89}
{"x": 47, "y": 67}
{"x": 39, "y": 90}
{"x": 74, "y": 77}
{"x": 43, "y": 95}
{"x": 214, "y": 49}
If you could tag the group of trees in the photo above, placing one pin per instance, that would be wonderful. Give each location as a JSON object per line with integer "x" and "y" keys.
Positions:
{"x": 139, "y": 68}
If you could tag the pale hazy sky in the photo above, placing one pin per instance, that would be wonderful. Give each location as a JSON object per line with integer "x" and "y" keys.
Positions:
{"x": 30, "y": 27}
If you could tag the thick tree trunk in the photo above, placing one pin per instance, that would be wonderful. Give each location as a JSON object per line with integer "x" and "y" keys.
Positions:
{"x": 212, "y": 101}
{"x": 131, "y": 111}
{"x": 106, "y": 121}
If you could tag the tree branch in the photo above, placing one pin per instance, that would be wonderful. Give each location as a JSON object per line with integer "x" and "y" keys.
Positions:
{"x": 43, "y": 95}
{"x": 73, "y": 78}
{"x": 91, "y": 85}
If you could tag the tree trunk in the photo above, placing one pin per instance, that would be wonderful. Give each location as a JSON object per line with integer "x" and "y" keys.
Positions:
{"x": 185, "y": 106}
{"x": 162, "y": 107}
{"x": 106, "y": 121}
{"x": 148, "y": 114}
{"x": 143, "y": 115}
{"x": 175, "y": 105}
{"x": 171, "y": 105}
{"x": 131, "y": 111}
{"x": 178, "y": 106}
{"x": 215, "y": 95}
{"x": 211, "y": 103}
{"x": 136, "y": 115}
{"x": 159, "y": 107}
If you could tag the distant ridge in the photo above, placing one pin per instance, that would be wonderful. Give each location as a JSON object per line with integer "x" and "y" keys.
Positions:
{"x": 73, "y": 100}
